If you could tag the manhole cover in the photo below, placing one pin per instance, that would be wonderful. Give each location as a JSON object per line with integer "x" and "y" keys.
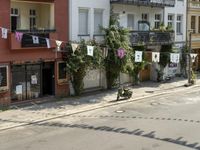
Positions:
{"x": 120, "y": 111}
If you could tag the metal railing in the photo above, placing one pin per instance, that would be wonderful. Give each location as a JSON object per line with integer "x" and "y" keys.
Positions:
{"x": 151, "y": 37}
{"x": 27, "y": 40}
{"x": 153, "y": 3}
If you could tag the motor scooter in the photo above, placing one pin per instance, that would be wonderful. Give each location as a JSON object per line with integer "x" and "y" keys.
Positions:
{"x": 124, "y": 92}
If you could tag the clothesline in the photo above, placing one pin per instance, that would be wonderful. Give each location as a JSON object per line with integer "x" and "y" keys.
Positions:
{"x": 58, "y": 42}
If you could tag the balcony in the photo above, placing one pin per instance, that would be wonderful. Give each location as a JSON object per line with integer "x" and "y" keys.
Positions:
{"x": 151, "y": 3}
{"x": 195, "y": 40}
{"x": 194, "y": 4}
{"x": 27, "y": 41}
{"x": 151, "y": 37}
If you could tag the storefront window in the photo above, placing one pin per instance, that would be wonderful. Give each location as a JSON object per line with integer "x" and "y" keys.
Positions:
{"x": 62, "y": 70}
{"x": 3, "y": 76}
{"x": 26, "y": 81}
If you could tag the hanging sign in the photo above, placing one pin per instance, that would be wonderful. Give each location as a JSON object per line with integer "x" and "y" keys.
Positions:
{"x": 19, "y": 89}
{"x": 193, "y": 57}
{"x": 4, "y": 33}
{"x": 33, "y": 79}
{"x": 90, "y": 50}
{"x": 18, "y": 36}
{"x": 155, "y": 57}
{"x": 174, "y": 57}
{"x": 120, "y": 53}
{"x": 138, "y": 56}
{"x": 58, "y": 43}
{"x": 35, "y": 39}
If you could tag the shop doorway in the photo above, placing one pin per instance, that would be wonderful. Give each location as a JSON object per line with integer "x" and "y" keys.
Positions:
{"x": 30, "y": 81}
{"x": 48, "y": 82}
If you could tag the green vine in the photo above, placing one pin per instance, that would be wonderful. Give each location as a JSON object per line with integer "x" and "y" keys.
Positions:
{"x": 115, "y": 37}
{"x": 78, "y": 63}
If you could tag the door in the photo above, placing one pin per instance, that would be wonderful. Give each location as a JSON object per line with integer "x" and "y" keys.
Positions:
{"x": 13, "y": 23}
{"x": 48, "y": 80}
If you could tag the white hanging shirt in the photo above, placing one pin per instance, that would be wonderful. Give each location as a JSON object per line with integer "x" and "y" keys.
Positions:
{"x": 90, "y": 50}
{"x": 155, "y": 57}
{"x": 138, "y": 56}
{"x": 35, "y": 39}
{"x": 4, "y": 33}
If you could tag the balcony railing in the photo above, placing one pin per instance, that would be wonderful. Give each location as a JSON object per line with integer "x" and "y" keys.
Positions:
{"x": 151, "y": 37}
{"x": 152, "y": 3}
{"x": 27, "y": 41}
{"x": 194, "y": 4}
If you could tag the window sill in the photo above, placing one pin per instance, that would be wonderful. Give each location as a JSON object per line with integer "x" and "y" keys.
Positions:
{"x": 83, "y": 34}
{"x": 179, "y": 33}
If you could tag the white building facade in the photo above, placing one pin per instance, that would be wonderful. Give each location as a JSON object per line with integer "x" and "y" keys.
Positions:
{"x": 176, "y": 17}
{"x": 144, "y": 18}
{"x": 86, "y": 18}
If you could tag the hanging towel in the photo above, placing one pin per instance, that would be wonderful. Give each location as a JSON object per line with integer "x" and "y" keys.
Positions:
{"x": 35, "y": 39}
{"x": 155, "y": 57}
{"x": 4, "y": 33}
{"x": 138, "y": 56}
{"x": 90, "y": 50}
{"x": 193, "y": 57}
{"x": 48, "y": 43}
{"x": 18, "y": 36}
{"x": 120, "y": 53}
{"x": 58, "y": 43}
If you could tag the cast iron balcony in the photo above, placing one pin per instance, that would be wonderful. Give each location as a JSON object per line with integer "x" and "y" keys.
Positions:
{"x": 152, "y": 3}
{"x": 151, "y": 37}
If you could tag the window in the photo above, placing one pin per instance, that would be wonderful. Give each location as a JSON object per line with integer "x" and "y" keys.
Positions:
{"x": 170, "y": 22}
{"x": 193, "y": 22}
{"x": 145, "y": 17}
{"x": 98, "y": 21}
{"x": 3, "y": 76}
{"x": 83, "y": 21}
{"x": 157, "y": 21}
{"x": 32, "y": 14}
{"x": 130, "y": 21}
{"x": 199, "y": 25}
{"x": 179, "y": 24}
{"x": 15, "y": 20}
{"x": 62, "y": 73}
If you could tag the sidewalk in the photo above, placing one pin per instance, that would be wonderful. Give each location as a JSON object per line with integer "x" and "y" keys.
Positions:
{"x": 19, "y": 116}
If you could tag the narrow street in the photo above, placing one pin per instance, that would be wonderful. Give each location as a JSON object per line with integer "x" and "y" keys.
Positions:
{"x": 164, "y": 122}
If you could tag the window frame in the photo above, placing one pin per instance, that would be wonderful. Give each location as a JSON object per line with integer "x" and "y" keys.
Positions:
{"x": 7, "y": 78}
{"x": 157, "y": 21}
{"x": 181, "y": 24}
{"x": 63, "y": 80}
{"x": 100, "y": 11}
{"x": 87, "y": 25}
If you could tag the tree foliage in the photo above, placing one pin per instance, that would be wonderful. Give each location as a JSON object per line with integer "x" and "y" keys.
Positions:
{"x": 78, "y": 63}
{"x": 115, "y": 37}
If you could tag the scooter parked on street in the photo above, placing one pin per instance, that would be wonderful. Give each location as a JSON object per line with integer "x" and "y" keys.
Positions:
{"x": 124, "y": 93}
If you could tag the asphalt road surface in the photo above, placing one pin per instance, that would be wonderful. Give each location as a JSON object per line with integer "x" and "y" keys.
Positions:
{"x": 167, "y": 122}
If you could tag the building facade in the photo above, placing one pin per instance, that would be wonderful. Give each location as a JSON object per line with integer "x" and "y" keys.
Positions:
{"x": 31, "y": 69}
{"x": 86, "y": 18}
{"x": 145, "y": 19}
{"x": 176, "y": 18}
{"x": 193, "y": 26}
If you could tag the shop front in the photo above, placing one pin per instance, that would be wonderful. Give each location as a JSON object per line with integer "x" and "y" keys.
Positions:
{"x": 31, "y": 81}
